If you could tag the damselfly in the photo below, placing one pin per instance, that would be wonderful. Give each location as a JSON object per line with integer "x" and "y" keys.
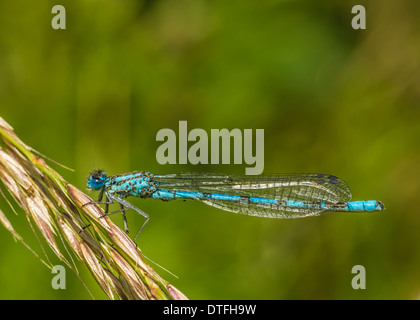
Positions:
{"x": 269, "y": 196}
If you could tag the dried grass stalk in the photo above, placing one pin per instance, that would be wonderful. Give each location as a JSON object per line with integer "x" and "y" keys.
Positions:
{"x": 56, "y": 209}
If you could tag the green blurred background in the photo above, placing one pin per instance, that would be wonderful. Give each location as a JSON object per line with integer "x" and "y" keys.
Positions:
{"x": 329, "y": 98}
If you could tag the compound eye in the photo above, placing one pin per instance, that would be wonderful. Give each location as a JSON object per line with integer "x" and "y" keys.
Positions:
{"x": 96, "y": 180}
{"x": 99, "y": 174}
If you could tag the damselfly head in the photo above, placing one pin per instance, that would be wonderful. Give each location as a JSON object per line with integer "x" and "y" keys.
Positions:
{"x": 96, "y": 180}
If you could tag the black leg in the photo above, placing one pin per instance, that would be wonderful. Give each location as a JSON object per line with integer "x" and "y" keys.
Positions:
{"x": 125, "y": 218}
{"x": 125, "y": 205}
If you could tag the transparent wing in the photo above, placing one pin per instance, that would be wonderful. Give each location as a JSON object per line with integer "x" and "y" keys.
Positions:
{"x": 307, "y": 187}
